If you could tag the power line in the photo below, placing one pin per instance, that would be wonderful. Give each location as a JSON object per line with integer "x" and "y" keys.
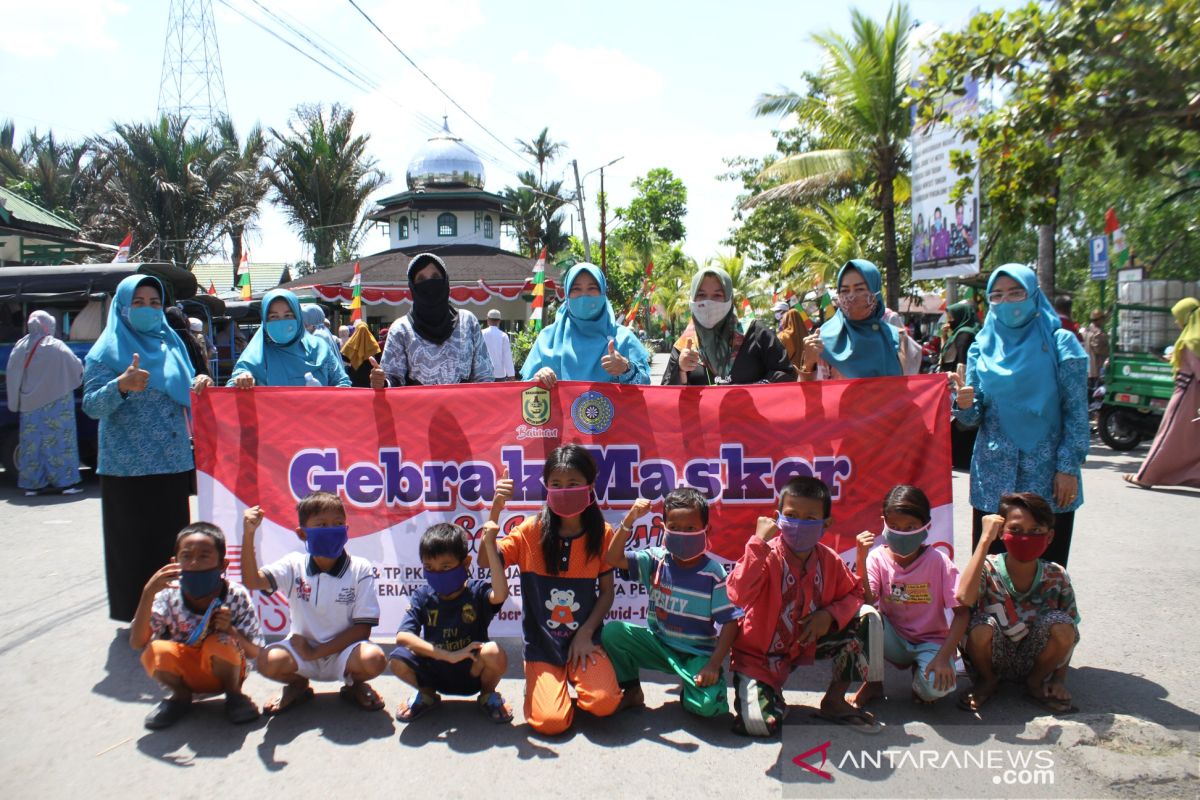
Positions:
{"x": 435, "y": 85}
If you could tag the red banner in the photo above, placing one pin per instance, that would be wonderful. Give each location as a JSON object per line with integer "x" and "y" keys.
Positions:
{"x": 403, "y": 459}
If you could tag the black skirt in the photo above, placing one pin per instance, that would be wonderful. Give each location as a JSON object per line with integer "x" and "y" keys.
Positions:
{"x": 141, "y": 517}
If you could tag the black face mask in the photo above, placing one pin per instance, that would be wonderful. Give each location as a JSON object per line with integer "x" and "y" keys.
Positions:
{"x": 433, "y": 318}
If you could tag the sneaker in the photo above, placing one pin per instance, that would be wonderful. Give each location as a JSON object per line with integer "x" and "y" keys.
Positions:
{"x": 167, "y": 713}
{"x": 72, "y": 490}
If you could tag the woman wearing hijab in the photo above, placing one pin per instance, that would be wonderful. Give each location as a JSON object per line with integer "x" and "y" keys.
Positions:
{"x": 178, "y": 322}
{"x": 360, "y": 351}
{"x": 283, "y": 353}
{"x": 315, "y": 324}
{"x": 958, "y": 334}
{"x": 433, "y": 344}
{"x": 585, "y": 343}
{"x": 42, "y": 377}
{"x": 1026, "y": 390}
{"x": 791, "y": 332}
{"x": 860, "y": 341}
{"x": 1174, "y": 458}
{"x": 138, "y": 381}
{"x": 715, "y": 350}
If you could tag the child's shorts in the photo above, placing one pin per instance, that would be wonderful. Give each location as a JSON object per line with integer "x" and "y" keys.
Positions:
{"x": 442, "y": 677}
{"x": 1013, "y": 661}
{"x": 192, "y": 664}
{"x": 329, "y": 668}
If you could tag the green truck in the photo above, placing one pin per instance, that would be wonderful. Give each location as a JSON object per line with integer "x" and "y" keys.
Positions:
{"x": 1138, "y": 380}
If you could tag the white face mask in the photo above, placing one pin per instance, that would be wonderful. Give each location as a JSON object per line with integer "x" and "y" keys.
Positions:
{"x": 709, "y": 313}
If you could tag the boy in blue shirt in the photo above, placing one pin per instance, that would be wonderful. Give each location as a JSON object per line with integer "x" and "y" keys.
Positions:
{"x": 443, "y": 645}
{"x": 687, "y": 596}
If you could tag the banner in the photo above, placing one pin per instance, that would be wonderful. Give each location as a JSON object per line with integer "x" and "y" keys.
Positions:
{"x": 403, "y": 459}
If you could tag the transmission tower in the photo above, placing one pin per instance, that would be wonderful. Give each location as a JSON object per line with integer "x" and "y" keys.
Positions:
{"x": 192, "y": 85}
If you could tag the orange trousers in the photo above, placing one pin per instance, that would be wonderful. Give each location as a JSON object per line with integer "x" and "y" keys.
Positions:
{"x": 548, "y": 708}
{"x": 193, "y": 664}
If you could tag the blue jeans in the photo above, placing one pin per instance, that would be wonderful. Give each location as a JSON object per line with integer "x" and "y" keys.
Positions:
{"x": 903, "y": 653}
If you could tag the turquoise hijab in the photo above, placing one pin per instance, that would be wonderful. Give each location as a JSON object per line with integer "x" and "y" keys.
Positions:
{"x": 274, "y": 364}
{"x": 573, "y": 347}
{"x": 160, "y": 352}
{"x": 1017, "y": 363}
{"x": 865, "y": 348}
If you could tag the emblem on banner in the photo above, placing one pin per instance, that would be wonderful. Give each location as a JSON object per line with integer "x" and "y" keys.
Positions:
{"x": 535, "y": 406}
{"x": 592, "y": 413}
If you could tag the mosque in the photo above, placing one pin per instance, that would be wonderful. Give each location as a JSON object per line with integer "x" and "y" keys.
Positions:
{"x": 447, "y": 211}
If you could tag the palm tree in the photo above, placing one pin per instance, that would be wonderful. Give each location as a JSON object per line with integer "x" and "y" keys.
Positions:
{"x": 830, "y": 235}
{"x": 42, "y": 168}
{"x": 542, "y": 149}
{"x": 861, "y": 110}
{"x": 165, "y": 184}
{"x": 250, "y": 179}
{"x": 322, "y": 176}
{"x": 536, "y": 222}
{"x": 744, "y": 285}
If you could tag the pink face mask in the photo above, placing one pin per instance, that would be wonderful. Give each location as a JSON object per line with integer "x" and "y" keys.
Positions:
{"x": 570, "y": 501}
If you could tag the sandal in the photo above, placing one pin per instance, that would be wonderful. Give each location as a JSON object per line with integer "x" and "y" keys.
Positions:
{"x": 861, "y": 721}
{"x": 167, "y": 713}
{"x": 1054, "y": 705}
{"x": 240, "y": 709}
{"x": 289, "y": 699}
{"x": 495, "y": 709}
{"x": 420, "y": 704}
{"x": 362, "y": 696}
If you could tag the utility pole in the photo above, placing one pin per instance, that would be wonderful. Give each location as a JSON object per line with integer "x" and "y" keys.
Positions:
{"x": 603, "y": 242}
{"x": 587, "y": 246}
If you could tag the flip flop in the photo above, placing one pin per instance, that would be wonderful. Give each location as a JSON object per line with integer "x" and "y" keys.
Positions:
{"x": 1133, "y": 481}
{"x": 361, "y": 695}
{"x": 277, "y": 706}
{"x": 418, "y": 706}
{"x": 861, "y": 721}
{"x": 1052, "y": 704}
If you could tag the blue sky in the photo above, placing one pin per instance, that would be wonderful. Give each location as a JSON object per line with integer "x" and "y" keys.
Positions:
{"x": 661, "y": 83}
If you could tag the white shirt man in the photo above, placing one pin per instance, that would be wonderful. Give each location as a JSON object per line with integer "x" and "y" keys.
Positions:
{"x": 499, "y": 347}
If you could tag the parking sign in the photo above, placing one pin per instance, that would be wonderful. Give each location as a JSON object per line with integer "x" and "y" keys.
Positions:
{"x": 1098, "y": 257}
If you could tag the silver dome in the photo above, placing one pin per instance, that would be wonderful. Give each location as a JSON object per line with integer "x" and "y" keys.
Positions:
{"x": 445, "y": 162}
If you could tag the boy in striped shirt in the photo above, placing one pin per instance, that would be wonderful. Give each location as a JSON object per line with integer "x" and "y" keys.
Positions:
{"x": 687, "y": 599}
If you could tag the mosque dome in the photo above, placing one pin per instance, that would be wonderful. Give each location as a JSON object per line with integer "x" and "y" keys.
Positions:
{"x": 445, "y": 163}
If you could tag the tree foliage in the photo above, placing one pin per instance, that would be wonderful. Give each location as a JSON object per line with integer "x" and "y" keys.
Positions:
{"x": 655, "y": 215}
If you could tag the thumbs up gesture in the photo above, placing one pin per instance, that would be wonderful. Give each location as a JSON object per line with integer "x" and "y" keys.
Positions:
{"x": 964, "y": 392}
{"x": 378, "y": 378}
{"x": 613, "y": 362}
{"x": 134, "y": 378}
{"x": 689, "y": 359}
{"x": 504, "y": 493}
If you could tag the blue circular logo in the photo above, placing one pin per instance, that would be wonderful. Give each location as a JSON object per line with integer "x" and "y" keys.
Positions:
{"x": 592, "y": 413}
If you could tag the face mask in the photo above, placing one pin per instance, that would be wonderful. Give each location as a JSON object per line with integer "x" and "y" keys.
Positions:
{"x": 145, "y": 319}
{"x": 709, "y": 313}
{"x": 200, "y": 582}
{"x": 447, "y": 582}
{"x": 569, "y": 502}
{"x": 905, "y": 543}
{"x": 1025, "y": 547}
{"x": 430, "y": 290}
{"x": 282, "y": 331}
{"x": 326, "y": 542}
{"x": 1015, "y": 315}
{"x": 857, "y": 304}
{"x": 586, "y": 306}
{"x": 779, "y": 316}
{"x": 686, "y": 545}
{"x": 801, "y": 535}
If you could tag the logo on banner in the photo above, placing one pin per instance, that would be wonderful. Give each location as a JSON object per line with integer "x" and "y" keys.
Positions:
{"x": 535, "y": 406}
{"x": 592, "y": 413}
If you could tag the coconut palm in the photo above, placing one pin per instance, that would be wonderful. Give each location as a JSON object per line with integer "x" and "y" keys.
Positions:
{"x": 542, "y": 149}
{"x": 250, "y": 180}
{"x": 860, "y": 109}
{"x": 830, "y": 234}
{"x": 43, "y": 168}
{"x": 167, "y": 185}
{"x": 536, "y": 221}
{"x": 322, "y": 176}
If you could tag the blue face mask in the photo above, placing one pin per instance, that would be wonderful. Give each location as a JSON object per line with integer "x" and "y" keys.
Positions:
{"x": 200, "y": 582}
{"x": 326, "y": 542}
{"x": 686, "y": 545}
{"x": 586, "y": 306}
{"x": 282, "y": 331}
{"x": 905, "y": 543}
{"x": 145, "y": 319}
{"x": 1015, "y": 315}
{"x": 801, "y": 535}
{"x": 447, "y": 582}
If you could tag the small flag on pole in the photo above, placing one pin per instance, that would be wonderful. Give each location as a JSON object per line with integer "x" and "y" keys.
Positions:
{"x": 642, "y": 294}
{"x": 1120, "y": 250}
{"x": 356, "y": 294}
{"x": 244, "y": 274}
{"x": 123, "y": 249}
{"x": 212, "y": 287}
{"x": 539, "y": 291}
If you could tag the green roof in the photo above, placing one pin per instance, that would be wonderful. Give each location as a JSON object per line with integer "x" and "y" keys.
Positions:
{"x": 13, "y": 207}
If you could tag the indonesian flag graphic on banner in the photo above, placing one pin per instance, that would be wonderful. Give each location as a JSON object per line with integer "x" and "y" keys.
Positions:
{"x": 123, "y": 249}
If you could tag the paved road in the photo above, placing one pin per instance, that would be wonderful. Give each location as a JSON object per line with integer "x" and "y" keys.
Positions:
{"x": 70, "y": 725}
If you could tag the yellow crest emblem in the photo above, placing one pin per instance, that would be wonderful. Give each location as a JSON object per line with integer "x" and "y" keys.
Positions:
{"x": 535, "y": 406}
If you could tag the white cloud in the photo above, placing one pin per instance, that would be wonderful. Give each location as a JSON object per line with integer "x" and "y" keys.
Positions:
{"x": 601, "y": 72}
{"x": 422, "y": 25}
{"x": 31, "y": 30}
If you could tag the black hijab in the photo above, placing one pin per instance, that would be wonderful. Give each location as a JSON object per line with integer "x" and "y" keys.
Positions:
{"x": 432, "y": 316}
{"x": 178, "y": 322}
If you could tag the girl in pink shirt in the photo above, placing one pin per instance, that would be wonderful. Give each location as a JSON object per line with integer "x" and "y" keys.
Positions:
{"x": 912, "y": 585}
